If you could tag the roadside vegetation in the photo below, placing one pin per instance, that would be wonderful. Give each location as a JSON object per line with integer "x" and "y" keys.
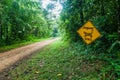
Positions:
{"x": 22, "y": 20}
{"x": 63, "y": 61}
{"x": 70, "y": 59}
{"x": 105, "y": 16}
{"x": 20, "y": 44}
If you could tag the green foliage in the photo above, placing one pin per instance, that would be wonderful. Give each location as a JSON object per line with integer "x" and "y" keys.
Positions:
{"x": 50, "y": 6}
{"x": 20, "y": 19}
{"x": 103, "y": 14}
{"x": 63, "y": 61}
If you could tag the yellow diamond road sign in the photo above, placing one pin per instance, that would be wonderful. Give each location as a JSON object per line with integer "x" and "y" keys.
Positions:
{"x": 88, "y": 32}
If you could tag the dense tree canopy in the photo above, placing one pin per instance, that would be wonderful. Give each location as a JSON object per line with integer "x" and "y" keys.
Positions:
{"x": 103, "y": 14}
{"x": 21, "y": 20}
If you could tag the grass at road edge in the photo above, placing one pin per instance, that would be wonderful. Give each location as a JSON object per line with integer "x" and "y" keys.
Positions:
{"x": 23, "y": 43}
{"x": 61, "y": 61}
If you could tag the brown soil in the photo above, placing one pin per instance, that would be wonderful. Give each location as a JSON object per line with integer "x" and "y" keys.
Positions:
{"x": 11, "y": 57}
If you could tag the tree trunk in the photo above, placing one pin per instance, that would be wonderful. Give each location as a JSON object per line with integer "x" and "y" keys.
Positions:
{"x": 81, "y": 12}
{"x": 118, "y": 21}
{"x": 102, "y": 8}
{"x": 0, "y": 33}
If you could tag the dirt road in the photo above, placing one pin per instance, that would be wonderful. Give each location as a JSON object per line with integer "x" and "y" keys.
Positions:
{"x": 10, "y": 57}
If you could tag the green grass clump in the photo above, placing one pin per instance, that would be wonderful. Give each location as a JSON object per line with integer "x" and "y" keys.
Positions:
{"x": 61, "y": 61}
